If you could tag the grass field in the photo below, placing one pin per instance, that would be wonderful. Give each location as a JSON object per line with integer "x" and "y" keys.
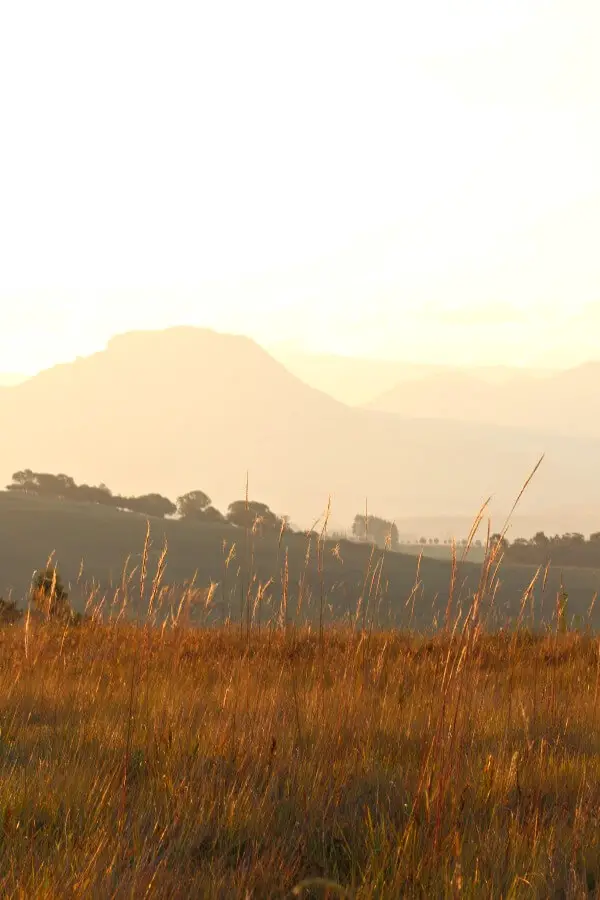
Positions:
{"x": 137, "y": 762}
{"x": 92, "y": 544}
{"x": 143, "y": 754}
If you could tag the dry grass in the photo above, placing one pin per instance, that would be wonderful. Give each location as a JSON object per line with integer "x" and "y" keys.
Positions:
{"x": 141, "y": 762}
{"x": 265, "y": 760}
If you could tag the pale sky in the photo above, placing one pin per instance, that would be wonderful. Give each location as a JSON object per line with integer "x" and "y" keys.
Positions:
{"x": 410, "y": 180}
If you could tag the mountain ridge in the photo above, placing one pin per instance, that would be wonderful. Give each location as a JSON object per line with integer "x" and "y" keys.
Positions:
{"x": 565, "y": 402}
{"x": 187, "y": 408}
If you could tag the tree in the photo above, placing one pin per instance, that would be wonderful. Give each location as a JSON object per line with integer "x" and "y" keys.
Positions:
{"x": 497, "y": 539}
{"x": 214, "y": 515}
{"x": 9, "y": 614}
{"x": 193, "y": 504}
{"x": 24, "y": 480}
{"x": 49, "y": 594}
{"x": 87, "y": 493}
{"x": 44, "y": 484}
{"x": 253, "y": 515}
{"x": 380, "y": 531}
{"x": 148, "y": 504}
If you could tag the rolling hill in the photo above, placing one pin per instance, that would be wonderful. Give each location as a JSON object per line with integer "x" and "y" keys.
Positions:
{"x": 92, "y": 544}
{"x": 189, "y": 408}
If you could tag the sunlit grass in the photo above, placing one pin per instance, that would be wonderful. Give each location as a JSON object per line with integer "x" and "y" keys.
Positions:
{"x": 141, "y": 756}
{"x": 243, "y": 765}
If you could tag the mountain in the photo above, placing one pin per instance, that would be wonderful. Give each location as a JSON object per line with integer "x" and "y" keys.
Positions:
{"x": 356, "y": 381}
{"x": 566, "y": 402}
{"x": 189, "y": 408}
{"x": 9, "y": 379}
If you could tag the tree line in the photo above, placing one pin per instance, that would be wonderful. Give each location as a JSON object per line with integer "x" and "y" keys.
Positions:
{"x": 381, "y": 532}
{"x": 571, "y": 548}
{"x": 193, "y": 506}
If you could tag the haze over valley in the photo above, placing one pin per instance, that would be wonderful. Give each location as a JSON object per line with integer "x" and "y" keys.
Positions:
{"x": 169, "y": 410}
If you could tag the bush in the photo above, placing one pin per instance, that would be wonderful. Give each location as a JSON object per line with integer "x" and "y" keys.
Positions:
{"x": 49, "y": 596}
{"x": 9, "y": 614}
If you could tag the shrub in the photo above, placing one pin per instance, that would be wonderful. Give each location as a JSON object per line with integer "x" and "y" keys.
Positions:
{"x": 9, "y": 614}
{"x": 49, "y": 596}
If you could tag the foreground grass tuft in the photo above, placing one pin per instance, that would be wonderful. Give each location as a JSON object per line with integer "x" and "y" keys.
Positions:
{"x": 190, "y": 763}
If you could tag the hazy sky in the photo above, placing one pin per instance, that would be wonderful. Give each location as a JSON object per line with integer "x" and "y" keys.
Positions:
{"x": 415, "y": 180}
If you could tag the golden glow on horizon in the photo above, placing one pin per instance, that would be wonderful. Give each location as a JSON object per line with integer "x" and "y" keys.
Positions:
{"x": 391, "y": 179}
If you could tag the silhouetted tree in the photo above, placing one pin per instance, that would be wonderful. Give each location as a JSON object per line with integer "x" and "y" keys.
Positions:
{"x": 498, "y": 539}
{"x": 49, "y": 595}
{"x": 86, "y": 493}
{"x": 59, "y": 487}
{"x": 24, "y": 480}
{"x": 149, "y": 505}
{"x": 43, "y": 484}
{"x": 9, "y": 614}
{"x": 253, "y": 515}
{"x": 540, "y": 540}
{"x": 193, "y": 504}
{"x": 379, "y": 531}
{"x": 212, "y": 514}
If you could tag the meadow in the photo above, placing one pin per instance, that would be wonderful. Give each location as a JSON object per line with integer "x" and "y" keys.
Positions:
{"x": 151, "y": 750}
{"x": 184, "y": 762}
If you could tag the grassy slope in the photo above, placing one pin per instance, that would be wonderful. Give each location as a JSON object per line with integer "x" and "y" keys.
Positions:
{"x": 186, "y": 763}
{"x": 30, "y": 529}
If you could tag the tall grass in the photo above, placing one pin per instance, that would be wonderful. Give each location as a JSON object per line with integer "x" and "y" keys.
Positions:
{"x": 144, "y": 757}
{"x": 178, "y": 761}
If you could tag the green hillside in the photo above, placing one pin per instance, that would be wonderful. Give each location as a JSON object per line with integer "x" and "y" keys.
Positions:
{"x": 97, "y": 541}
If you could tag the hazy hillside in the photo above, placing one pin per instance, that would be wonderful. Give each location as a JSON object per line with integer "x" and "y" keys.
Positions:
{"x": 567, "y": 402}
{"x": 97, "y": 541}
{"x": 188, "y": 408}
{"x": 551, "y": 521}
{"x": 356, "y": 381}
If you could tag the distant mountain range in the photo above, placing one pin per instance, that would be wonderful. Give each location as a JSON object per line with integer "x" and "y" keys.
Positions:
{"x": 189, "y": 408}
{"x": 566, "y": 402}
{"x": 359, "y": 381}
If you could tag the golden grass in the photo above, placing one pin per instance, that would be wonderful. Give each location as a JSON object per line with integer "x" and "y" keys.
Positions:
{"x": 139, "y": 762}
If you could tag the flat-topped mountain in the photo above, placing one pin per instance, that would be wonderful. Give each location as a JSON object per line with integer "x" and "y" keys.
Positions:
{"x": 189, "y": 408}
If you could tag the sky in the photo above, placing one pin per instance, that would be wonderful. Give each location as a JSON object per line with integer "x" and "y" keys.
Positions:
{"x": 405, "y": 180}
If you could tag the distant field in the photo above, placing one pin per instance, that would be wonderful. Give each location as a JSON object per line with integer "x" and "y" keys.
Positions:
{"x": 342, "y": 582}
{"x": 442, "y": 551}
